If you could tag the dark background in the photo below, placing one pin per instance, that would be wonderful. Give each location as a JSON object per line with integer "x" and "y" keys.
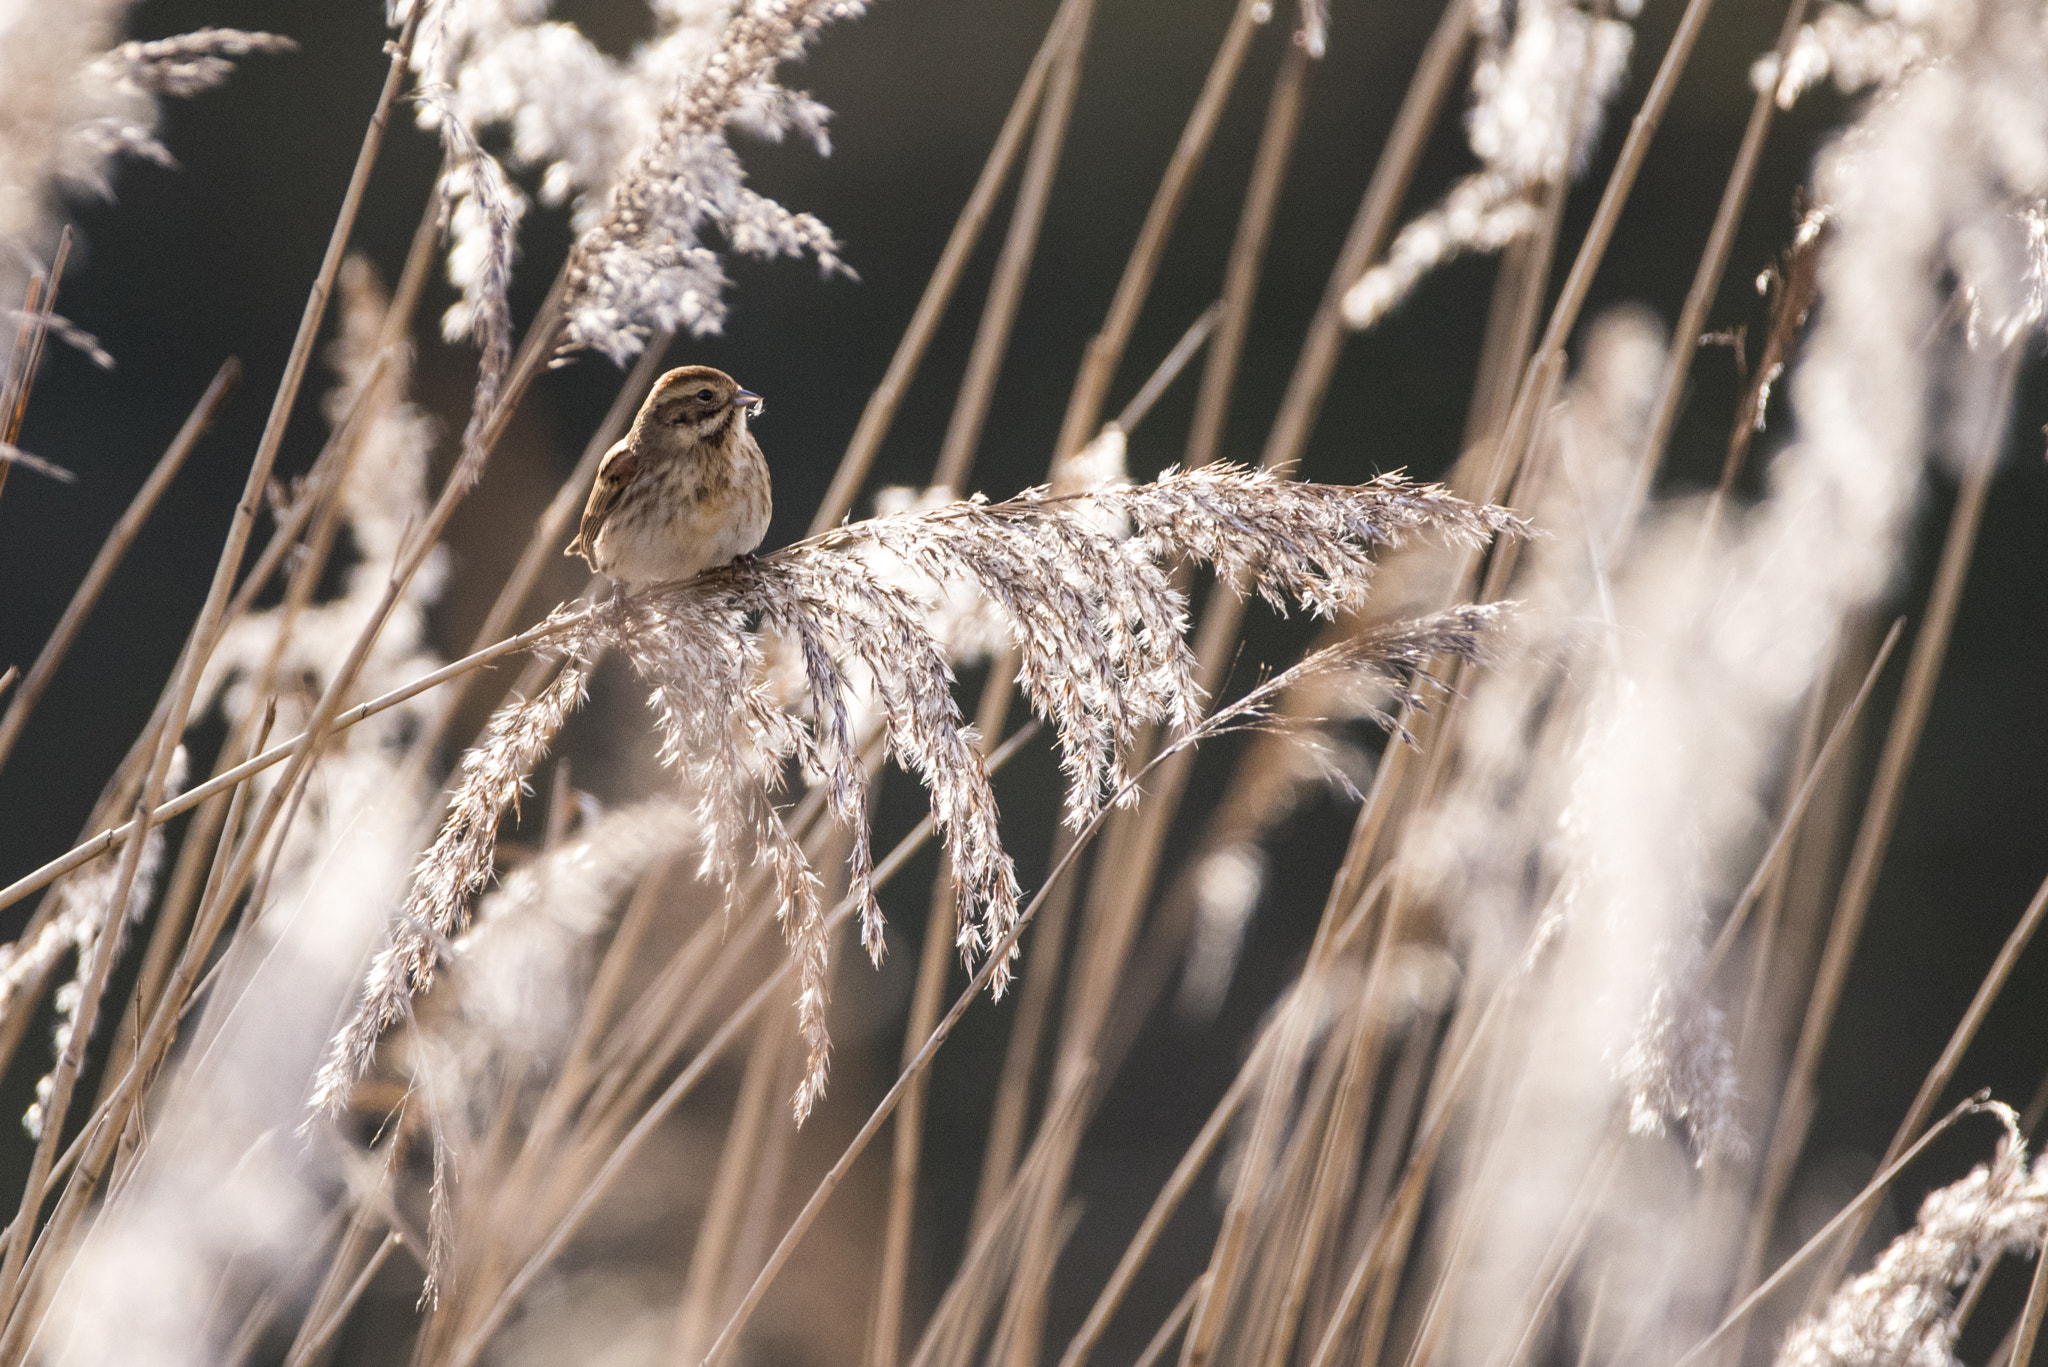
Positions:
{"x": 214, "y": 260}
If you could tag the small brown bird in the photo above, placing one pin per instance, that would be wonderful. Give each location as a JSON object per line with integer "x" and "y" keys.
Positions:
{"x": 685, "y": 490}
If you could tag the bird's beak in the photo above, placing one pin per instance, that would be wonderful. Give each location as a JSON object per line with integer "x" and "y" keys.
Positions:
{"x": 748, "y": 400}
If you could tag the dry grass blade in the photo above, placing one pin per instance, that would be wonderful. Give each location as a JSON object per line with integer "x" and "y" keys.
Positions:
{"x": 1828, "y": 1232}
{"x": 1902, "y": 739}
{"x": 880, "y": 411}
{"x": 1397, "y": 658}
{"x": 1095, "y": 619}
{"x": 110, "y": 554}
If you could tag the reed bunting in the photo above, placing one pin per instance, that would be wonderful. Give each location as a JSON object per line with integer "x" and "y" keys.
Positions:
{"x": 686, "y": 489}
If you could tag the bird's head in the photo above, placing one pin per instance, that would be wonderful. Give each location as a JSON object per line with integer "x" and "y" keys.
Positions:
{"x": 699, "y": 402}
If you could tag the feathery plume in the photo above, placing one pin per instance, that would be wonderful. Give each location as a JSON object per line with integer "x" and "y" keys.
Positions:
{"x": 85, "y": 921}
{"x": 645, "y": 265}
{"x": 186, "y": 64}
{"x": 72, "y": 98}
{"x": 1099, "y": 633}
{"x": 636, "y": 146}
{"x": 483, "y": 223}
{"x": 1904, "y": 1309}
{"x": 1539, "y": 91}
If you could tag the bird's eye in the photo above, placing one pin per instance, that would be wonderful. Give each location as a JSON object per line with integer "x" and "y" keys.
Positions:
{"x": 705, "y": 395}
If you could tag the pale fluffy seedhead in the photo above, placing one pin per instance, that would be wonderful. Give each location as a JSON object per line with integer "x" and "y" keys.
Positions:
{"x": 73, "y": 97}
{"x": 1540, "y": 89}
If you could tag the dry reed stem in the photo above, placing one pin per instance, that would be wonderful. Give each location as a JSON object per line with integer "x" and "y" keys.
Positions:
{"x": 1825, "y": 1236}
{"x": 26, "y": 359}
{"x": 1435, "y": 76}
{"x": 1902, "y": 738}
{"x": 627, "y": 1144}
{"x": 1769, "y": 866}
{"x": 951, "y": 1336}
{"x": 880, "y": 411}
{"x": 2029, "y": 1325}
{"x": 1162, "y": 1338}
{"x": 1706, "y": 280}
{"x": 110, "y": 554}
{"x": 88, "y": 850}
{"x": 1635, "y": 150}
{"x": 754, "y": 1109}
{"x": 1013, "y": 264}
{"x": 1943, "y": 1071}
{"x": 1105, "y": 350}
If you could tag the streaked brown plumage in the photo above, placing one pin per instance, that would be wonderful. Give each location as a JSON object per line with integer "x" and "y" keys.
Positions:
{"x": 686, "y": 489}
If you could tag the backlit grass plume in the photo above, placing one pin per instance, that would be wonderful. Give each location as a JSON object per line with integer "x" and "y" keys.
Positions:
{"x": 1099, "y": 632}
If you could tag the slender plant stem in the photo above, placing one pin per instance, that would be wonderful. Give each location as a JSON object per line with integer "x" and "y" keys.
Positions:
{"x": 1106, "y": 349}
{"x": 1013, "y": 266}
{"x": 1902, "y": 741}
{"x": 87, "y": 851}
{"x": 1635, "y": 149}
{"x": 110, "y": 555}
{"x": 1826, "y": 1234}
{"x": 1435, "y": 77}
{"x": 880, "y": 412}
{"x": 2030, "y": 1316}
{"x": 1795, "y": 811}
{"x": 1713, "y": 264}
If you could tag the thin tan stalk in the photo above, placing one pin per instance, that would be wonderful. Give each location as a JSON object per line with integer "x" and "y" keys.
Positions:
{"x": 1564, "y": 1250}
{"x": 1944, "y": 1069}
{"x": 333, "y": 1296}
{"x": 1788, "y": 825}
{"x": 27, "y": 357}
{"x": 880, "y": 412}
{"x": 573, "y": 1079}
{"x": 1396, "y": 1223}
{"x": 1156, "y": 1348}
{"x": 19, "y": 370}
{"x": 1106, "y": 349}
{"x": 621, "y": 1151}
{"x": 1902, "y": 740}
{"x": 111, "y": 552}
{"x": 1165, "y": 1204}
{"x": 89, "y": 850}
{"x": 750, "y": 1112}
{"x": 65, "y": 1076}
{"x": 1206, "y": 1329}
{"x": 2030, "y": 1317}
{"x": 544, "y": 542}
{"x": 1013, "y": 266}
{"x": 1241, "y": 272}
{"x": 309, "y": 1347}
{"x": 1827, "y": 1233}
{"x": 168, "y": 934}
{"x": 1635, "y": 149}
{"x": 1713, "y": 264}
{"x": 954, "y": 1330}
{"x": 886, "y": 1332}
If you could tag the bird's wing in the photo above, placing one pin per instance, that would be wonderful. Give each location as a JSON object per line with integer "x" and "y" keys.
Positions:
{"x": 614, "y": 473}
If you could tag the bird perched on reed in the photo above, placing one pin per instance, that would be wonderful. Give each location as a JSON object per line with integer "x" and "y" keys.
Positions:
{"x": 686, "y": 489}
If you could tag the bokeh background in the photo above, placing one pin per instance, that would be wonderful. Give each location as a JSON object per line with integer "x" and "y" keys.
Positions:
{"x": 187, "y": 267}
